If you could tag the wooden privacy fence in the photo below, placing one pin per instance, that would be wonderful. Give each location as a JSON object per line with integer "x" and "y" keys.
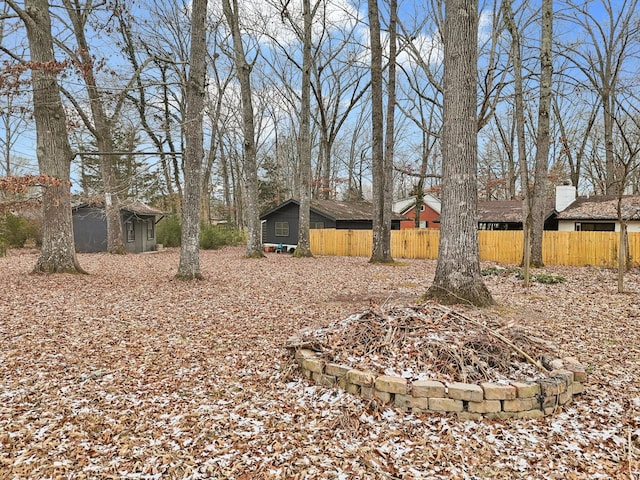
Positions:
{"x": 559, "y": 248}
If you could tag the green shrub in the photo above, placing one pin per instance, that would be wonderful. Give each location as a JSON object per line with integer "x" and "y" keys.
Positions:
{"x": 545, "y": 278}
{"x": 548, "y": 278}
{"x": 169, "y": 234}
{"x": 217, "y": 236}
{"x": 169, "y": 231}
{"x": 498, "y": 271}
{"x": 15, "y": 231}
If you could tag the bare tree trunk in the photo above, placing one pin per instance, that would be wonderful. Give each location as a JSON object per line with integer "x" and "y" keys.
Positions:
{"x": 390, "y": 132}
{"x": 539, "y": 193}
{"x": 227, "y": 183}
{"x": 520, "y": 135}
{"x": 622, "y": 251}
{"x": 189, "y": 267}
{"x": 243, "y": 71}
{"x": 101, "y": 129}
{"x": 304, "y": 141}
{"x": 54, "y": 153}
{"x": 205, "y": 206}
{"x": 381, "y": 252}
{"x": 458, "y": 278}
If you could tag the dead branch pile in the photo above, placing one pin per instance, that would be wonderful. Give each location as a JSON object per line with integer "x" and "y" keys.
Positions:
{"x": 430, "y": 341}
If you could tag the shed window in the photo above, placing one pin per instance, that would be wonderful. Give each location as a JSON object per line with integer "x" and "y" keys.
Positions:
{"x": 282, "y": 229}
{"x": 151, "y": 230}
{"x": 131, "y": 232}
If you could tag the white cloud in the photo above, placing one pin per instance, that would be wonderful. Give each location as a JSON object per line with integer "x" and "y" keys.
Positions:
{"x": 269, "y": 22}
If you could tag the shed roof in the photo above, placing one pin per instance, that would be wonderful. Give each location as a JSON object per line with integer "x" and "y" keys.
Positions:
{"x": 602, "y": 207}
{"x": 131, "y": 206}
{"x": 336, "y": 210}
{"x": 140, "y": 208}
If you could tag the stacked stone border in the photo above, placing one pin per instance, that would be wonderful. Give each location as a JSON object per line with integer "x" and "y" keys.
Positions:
{"x": 489, "y": 400}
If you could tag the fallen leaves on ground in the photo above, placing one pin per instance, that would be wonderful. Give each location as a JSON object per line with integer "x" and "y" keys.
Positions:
{"x": 127, "y": 373}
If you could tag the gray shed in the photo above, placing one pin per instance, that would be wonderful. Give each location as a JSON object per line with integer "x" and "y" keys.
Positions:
{"x": 138, "y": 227}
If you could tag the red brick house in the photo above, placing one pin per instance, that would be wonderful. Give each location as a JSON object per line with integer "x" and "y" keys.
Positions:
{"x": 429, "y": 212}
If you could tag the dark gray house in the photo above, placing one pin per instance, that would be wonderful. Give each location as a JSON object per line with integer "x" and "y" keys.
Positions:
{"x": 280, "y": 224}
{"x": 138, "y": 227}
{"x": 507, "y": 215}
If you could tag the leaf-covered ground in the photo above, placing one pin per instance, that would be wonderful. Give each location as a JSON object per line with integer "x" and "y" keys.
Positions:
{"x": 126, "y": 373}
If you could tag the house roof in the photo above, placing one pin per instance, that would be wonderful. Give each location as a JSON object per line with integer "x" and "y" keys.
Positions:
{"x": 504, "y": 211}
{"x": 403, "y": 205}
{"x": 500, "y": 211}
{"x": 336, "y": 210}
{"x": 602, "y": 208}
{"x": 131, "y": 206}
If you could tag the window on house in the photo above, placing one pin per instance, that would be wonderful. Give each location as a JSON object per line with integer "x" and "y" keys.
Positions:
{"x": 595, "y": 227}
{"x": 131, "y": 232}
{"x": 282, "y": 229}
{"x": 316, "y": 225}
{"x": 151, "y": 230}
{"x": 422, "y": 207}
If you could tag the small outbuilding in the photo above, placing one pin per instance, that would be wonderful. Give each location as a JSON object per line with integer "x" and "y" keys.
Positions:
{"x": 280, "y": 224}
{"x": 138, "y": 227}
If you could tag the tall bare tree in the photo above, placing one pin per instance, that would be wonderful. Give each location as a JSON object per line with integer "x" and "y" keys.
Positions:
{"x": 628, "y": 162}
{"x": 381, "y": 252}
{"x": 534, "y": 191}
{"x": 162, "y": 45}
{"x": 611, "y": 39}
{"x": 243, "y": 73}
{"x": 538, "y": 196}
{"x": 458, "y": 278}
{"x": 100, "y": 124}
{"x": 54, "y": 153}
{"x": 519, "y": 112}
{"x": 304, "y": 140}
{"x": 339, "y": 83}
{"x": 574, "y": 136}
{"x": 390, "y": 131}
{"x": 189, "y": 267}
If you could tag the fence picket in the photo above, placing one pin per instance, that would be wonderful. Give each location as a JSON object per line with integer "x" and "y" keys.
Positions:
{"x": 559, "y": 248}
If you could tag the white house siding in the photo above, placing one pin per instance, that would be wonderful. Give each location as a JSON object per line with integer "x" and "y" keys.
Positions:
{"x": 570, "y": 225}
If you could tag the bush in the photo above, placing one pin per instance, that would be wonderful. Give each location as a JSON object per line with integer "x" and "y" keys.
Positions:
{"x": 498, "y": 271}
{"x": 216, "y": 236}
{"x": 169, "y": 231}
{"x": 15, "y": 231}
{"x": 169, "y": 234}
{"x": 548, "y": 278}
{"x": 545, "y": 278}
